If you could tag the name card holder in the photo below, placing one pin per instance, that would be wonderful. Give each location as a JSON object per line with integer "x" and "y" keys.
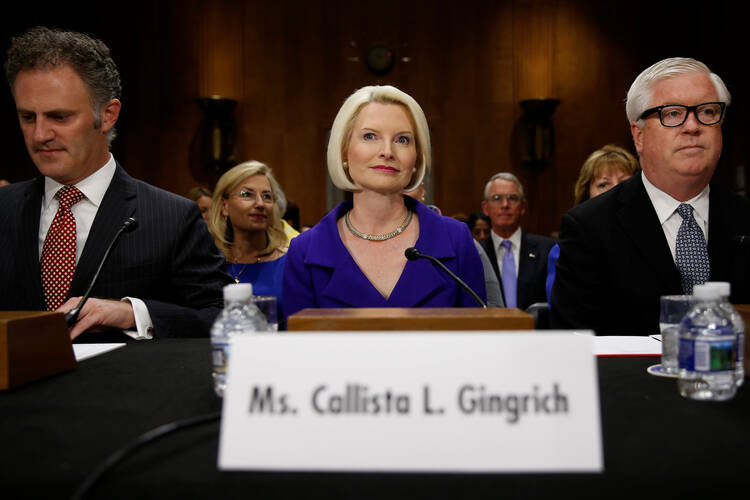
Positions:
{"x": 33, "y": 345}
{"x": 461, "y": 401}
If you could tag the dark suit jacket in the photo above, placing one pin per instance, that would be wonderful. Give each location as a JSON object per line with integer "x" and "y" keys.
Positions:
{"x": 169, "y": 261}
{"x": 532, "y": 267}
{"x": 615, "y": 262}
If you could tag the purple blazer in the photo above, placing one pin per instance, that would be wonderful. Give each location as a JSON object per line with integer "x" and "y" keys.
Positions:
{"x": 320, "y": 272}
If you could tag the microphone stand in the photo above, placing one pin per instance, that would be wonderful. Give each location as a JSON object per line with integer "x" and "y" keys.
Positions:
{"x": 412, "y": 253}
{"x": 72, "y": 316}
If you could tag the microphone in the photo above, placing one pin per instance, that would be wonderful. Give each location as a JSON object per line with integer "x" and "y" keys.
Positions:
{"x": 72, "y": 316}
{"x": 412, "y": 253}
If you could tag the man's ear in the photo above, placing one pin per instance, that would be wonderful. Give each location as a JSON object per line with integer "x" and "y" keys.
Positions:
{"x": 637, "y": 133}
{"x": 109, "y": 114}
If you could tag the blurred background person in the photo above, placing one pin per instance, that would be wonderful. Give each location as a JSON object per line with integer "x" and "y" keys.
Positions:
{"x": 202, "y": 197}
{"x": 519, "y": 258}
{"x": 379, "y": 148}
{"x": 283, "y": 206}
{"x": 245, "y": 221}
{"x": 603, "y": 169}
{"x": 419, "y": 194}
{"x": 480, "y": 226}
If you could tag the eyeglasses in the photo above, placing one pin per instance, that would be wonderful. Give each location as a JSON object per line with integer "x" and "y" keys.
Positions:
{"x": 513, "y": 199}
{"x": 250, "y": 195}
{"x": 674, "y": 115}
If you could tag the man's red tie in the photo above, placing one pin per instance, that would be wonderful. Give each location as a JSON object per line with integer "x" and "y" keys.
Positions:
{"x": 59, "y": 250}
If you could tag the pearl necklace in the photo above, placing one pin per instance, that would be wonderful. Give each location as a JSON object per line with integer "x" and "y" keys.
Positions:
{"x": 378, "y": 237}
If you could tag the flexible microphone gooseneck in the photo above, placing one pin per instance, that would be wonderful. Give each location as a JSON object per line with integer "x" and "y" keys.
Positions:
{"x": 72, "y": 316}
{"x": 412, "y": 253}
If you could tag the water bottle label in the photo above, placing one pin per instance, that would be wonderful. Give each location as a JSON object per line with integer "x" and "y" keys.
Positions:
{"x": 219, "y": 354}
{"x": 704, "y": 355}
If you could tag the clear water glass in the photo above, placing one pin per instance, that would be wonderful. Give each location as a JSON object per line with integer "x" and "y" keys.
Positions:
{"x": 672, "y": 309}
{"x": 268, "y": 306}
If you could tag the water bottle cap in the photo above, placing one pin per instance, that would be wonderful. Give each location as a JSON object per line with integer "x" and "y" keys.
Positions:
{"x": 238, "y": 291}
{"x": 706, "y": 291}
{"x": 725, "y": 289}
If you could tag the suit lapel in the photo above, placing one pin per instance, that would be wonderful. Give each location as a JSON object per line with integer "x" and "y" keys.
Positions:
{"x": 638, "y": 219}
{"x": 28, "y": 234}
{"x": 720, "y": 236}
{"x": 529, "y": 259}
{"x": 117, "y": 205}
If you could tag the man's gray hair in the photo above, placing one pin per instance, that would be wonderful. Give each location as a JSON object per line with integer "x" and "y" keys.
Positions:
{"x": 639, "y": 95}
{"x": 507, "y": 176}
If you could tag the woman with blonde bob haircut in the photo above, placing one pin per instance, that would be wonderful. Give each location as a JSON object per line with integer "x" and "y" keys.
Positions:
{"x": 379, "y": 148}
{"x": 245, "y": 221}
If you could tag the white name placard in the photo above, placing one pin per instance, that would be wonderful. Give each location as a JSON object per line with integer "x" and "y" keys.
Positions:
{"x": 453, "y": 402}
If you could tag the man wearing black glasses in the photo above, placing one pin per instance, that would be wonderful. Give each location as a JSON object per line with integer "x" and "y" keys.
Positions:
{"x": 518, "y": 258}
{"x": 667, "y": 228}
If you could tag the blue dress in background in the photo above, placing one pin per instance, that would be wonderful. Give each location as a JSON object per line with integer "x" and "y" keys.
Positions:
{"x": 266, "y": 278}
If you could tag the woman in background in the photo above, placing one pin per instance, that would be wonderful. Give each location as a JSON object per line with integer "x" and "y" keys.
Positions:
{"x": 379, "y": 148}
{"x": 245, "y": 222}
{"x": 480, "y": 226}
{"x": 202, "y": 197}
{"x": 603, "y": 169}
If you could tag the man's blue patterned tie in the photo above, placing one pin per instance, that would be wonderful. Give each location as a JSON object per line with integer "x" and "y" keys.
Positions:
{"x": 691, "y": 254}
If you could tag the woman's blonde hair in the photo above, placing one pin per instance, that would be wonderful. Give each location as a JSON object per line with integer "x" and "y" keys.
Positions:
{"x": 610, "y": 156}
{"x": 221, "y": 227}
{"x": 341, "y": 132}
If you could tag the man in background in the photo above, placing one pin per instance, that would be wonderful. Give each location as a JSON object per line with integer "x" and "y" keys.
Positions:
{"x": 518, "y": 258}
{"x": 665, "y": 229}
{"x": 162, "y": 279}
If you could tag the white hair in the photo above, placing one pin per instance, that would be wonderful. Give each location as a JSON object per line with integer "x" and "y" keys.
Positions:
{"x": 639, "y": 95}
{"x": 506, "y": 176}
{"x": 341, "y": 132}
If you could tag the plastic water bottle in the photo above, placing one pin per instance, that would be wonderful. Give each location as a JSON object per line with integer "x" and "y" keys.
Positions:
{"x": 725, "y": 289}
{"x": 708, "y": 349}
{"x": 239, "y": 317}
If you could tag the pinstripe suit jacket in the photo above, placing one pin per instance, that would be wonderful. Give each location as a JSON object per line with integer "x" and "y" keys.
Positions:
{"x": 169, "y": 261}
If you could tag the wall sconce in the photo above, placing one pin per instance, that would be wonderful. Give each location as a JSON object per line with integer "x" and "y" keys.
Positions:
{"x": 217, "y": 133}
{"x": 535, "y": 136}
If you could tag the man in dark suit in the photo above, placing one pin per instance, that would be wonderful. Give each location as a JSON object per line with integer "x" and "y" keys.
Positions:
{"x": 620, "y": 251}
{"x": 165, "y": 277}
{"x": 519, "y": 258}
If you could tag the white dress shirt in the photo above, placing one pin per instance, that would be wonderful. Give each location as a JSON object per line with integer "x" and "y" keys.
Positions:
{"x": 669, "y": 219}
{"x": 93, "y": 188}
{"x": 515, "y": 247}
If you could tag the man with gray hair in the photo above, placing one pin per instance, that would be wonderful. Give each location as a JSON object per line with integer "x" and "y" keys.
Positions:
{"x": 665, "y": 229}
{"x": 518, "y": 258}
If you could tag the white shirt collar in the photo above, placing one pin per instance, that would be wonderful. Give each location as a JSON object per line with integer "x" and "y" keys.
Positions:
{"x": 93, "y": 187}
{"x": 515, "y": 240}
{"x": 665, "y": 205}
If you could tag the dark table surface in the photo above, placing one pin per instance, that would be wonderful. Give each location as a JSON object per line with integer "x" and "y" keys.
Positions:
{"x": 54, "y": 432}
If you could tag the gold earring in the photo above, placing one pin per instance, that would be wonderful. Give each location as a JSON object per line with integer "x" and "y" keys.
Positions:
{"x": 346, "y": 165}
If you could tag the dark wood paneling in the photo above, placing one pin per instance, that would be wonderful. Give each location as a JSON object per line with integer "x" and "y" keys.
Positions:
{"x": 290, "y": 65}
